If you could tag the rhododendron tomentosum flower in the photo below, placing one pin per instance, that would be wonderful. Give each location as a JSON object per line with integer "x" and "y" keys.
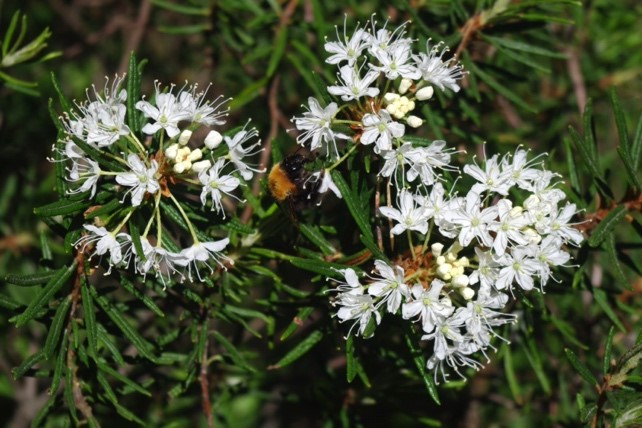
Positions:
{"x": 354, "y": 86}
{"x": 167, "y": 112}
{"x": 316, "y": 126}
{"x": 141, "y": 179}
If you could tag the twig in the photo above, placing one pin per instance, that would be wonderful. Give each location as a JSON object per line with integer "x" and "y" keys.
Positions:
{"x": 205, "y": 386}
{"x": 575, "y": 73}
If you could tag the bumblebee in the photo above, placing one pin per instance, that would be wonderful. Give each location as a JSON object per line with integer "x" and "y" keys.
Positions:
{"x": 290, "y": 182}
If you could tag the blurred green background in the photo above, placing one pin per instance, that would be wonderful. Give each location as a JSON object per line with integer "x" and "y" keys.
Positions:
{"x": 528, "y": 99}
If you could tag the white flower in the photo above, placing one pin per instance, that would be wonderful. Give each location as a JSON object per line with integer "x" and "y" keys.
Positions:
{"x": 558, "y": 225}
{"x": 237, "y": 152}
{"x": 327, "y": 184}
{"x": 434, "y": 70}
{"x": 427, "y": 305}
{"x": 347, "y": 49}
{"x": 390, "y": 287}
{"x": 358, "y": 307}
{"x": 316, "y": 124}
{"x": 509, "y": 227}
{"x": 487, "y": 269}
{"x": 351, "y": 285}
{"x": 518, "y": 170}
{"x": 380, "y": 129}
{"x": 518, "y": 267}
{"x": 490, "y": 178}
{"x": 207, "y": 113}
{"x": 395, "y": 62}
{"x": 201, "y": 253}
{"x": 384, "y": 39}
{"x": 473, "y": 221}
{"x": 87, "y": 171}
{"x": 104, "y": 242}
{"x": 408, "y": 216}
{"x": 548, "y": 253}
{"x": 394, "y": 159}
{"x": 167, "y": 112}
{"x": 156, "y": 259}
{"x": 216, "y": 185}
{"x": 141, "y": 179}
{"x": 424, "y": 160}
{"x": 354, "y": 87}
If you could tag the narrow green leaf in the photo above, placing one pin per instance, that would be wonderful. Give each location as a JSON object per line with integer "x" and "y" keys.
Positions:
{"x": 586, "y": 152}
{"x": 127, "y": 414}
{"x": 636, "y": 145}
{"x": 62, "y": 207}
{"x": 125, "y": 380}
{"x": 66, "y": 107}
{"x": 567, "y": 331}
{"x": 109, "y": 344}
{"x": 251, "y": 91}
{"x": 133, "y": 94}
{"x": 296, "y": 323}
{"x": 182, "y": 8}
{"x": 109, "y": 392}
{"x": 589, "y": 131}
{"x": 315, "y": 236}
{"x": 625, "y": 364}
{"x": 32, "y": 360}
{"x": 605, "y": 226}
{"x": 59, "y": 364}
{"x": 89, "y": 314}
{"x": 146, "y": 300}
{"x": 620, "y": 121}
{"x": 509, "y": 371}
{"x": 580, "y": 368}
{"x": 130, "y": 333}
{"x": 46, "y": 294}
{"x": 522, "y": 46}
{"x": 317, "y": 266}
{"x": 55, "y": 329}
{"x": 43, "y": 413}
{"x": 608, "y": 348}
{"x": 30, "y": 280}
{"x": 68, "y": 395}
{"x": 8, "y": 303}
{"x": 628, "y": 165}
{"x": 501, "y": 89}
{"x": 234, "y": 353}
{"x": 104, "y": 210}
{"x": 611, "y": 251}
{"x": 299, "y": 350}
{"x": 278, "y": 47}
{"x": 571, "y": 167}
{"x": 420, "y": 364}
{"x": 535, "y": 360}
{"x": 351, "y": 360}
{"x": 359, "y": 214}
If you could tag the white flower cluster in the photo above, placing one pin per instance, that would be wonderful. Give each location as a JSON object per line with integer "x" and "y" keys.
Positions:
{"x": 103, "y": 153}
{"x": 495, "y": 245}
{"x": 468, "y": 250}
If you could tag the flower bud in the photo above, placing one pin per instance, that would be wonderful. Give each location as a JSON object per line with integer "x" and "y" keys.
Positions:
{"x": 201, "y": 166}
{"x": 440, "y": 260}
{"x": 195, "y": 155}
{"x": 171, "y": 151}
{"x": 414, "y": 121}
{"x": 425, "y": 93}
{"x": 213, "y": 139}
{"x": 437, "y": 248}
{"x": 184, "y": 137}
{"x": 404, "y": 85}
{"x": 182, "y": 154}
{"x": 444, "y": 270}
{"x": 467, "y": 293}
{"x": 460, "y": 281}
{"x": 179, "y": 168}
{"x": 390, "y": 97}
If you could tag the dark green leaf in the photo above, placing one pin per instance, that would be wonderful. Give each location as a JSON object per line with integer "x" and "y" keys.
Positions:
{"x": 59, "y": 364}
{"x": 133, "y": 94}
{"x": 608, "y": 347}
{"x": 43, "y": 413}
{"x": 315, "y": 236}
{"x": 130, "y": 333}
{"x": 351, "y": 360}
{"x": 605, "y": 226}
{"x": 113, "y": 373}
{"x": 636, "y": 145}
{"x": 299, "y": 350}
{"x": 420, "y": 365}
{"x": 32, "y": 360}
{"x": 30, "y": 280}
{"x": 55, "y": 329}
{"x": 147, "y": 301}
{"x": 601, "y": 299}
{"x": 586, "y": 152}
{"x": 89, "y": 313}
{"x": 620, "y": 122}
{"x": 278, "y": 47}
{"x": 234, "y": 353}
{"x": 612, "y": 252}
{"x": 630, "y": 416}
{"x": 509, "y": 372}
{"x": 625, "y": 364}
{"x": 572, "y": 168}
{"x": 62, "y": 207}
{"x": 580, "y": 368}
{"x": 522, "y": 46}
{"x": 296, "y": 323}
{"x": 46, "y": 294}
{"x": 501, "y": 89}
{"x": 628, "y": 166}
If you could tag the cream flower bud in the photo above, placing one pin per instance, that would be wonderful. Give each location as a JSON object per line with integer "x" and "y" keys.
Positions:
{"x": 460, "y": 281}
{"x": 414, "y": 121}
{"x": 425, "y": 93}
{"x": 399, "y": 114}
{"x": 437, "y": 248}
{"x": 201, "y": 166}
{"x": 171, "y": 151}
{"x": 392, "y": 109}
{"x": 456, "y": 271}
{"x": 451, "y": 257}
{"x": 182, "y": 154}
{"x": 179, "y": 168}
{"x": 184, "y": 137}
{"x": 516, "y": 211}
{"x": 463, "y": 262}
{"x": 467, "y": 293}
{"x": 213, "y": 139}
{"x": 531, "y": 234}
{"x": 410, "y": 106}
{"x": 440, "y": 260}
{"x": 390, "y": 97}
{"x": 195, "y": 155}
{"x": 404, "y": 85}
{"x": 444, "y": 270}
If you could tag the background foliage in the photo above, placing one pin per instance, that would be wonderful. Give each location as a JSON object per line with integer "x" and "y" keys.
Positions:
{"x": 535, "y": 66}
